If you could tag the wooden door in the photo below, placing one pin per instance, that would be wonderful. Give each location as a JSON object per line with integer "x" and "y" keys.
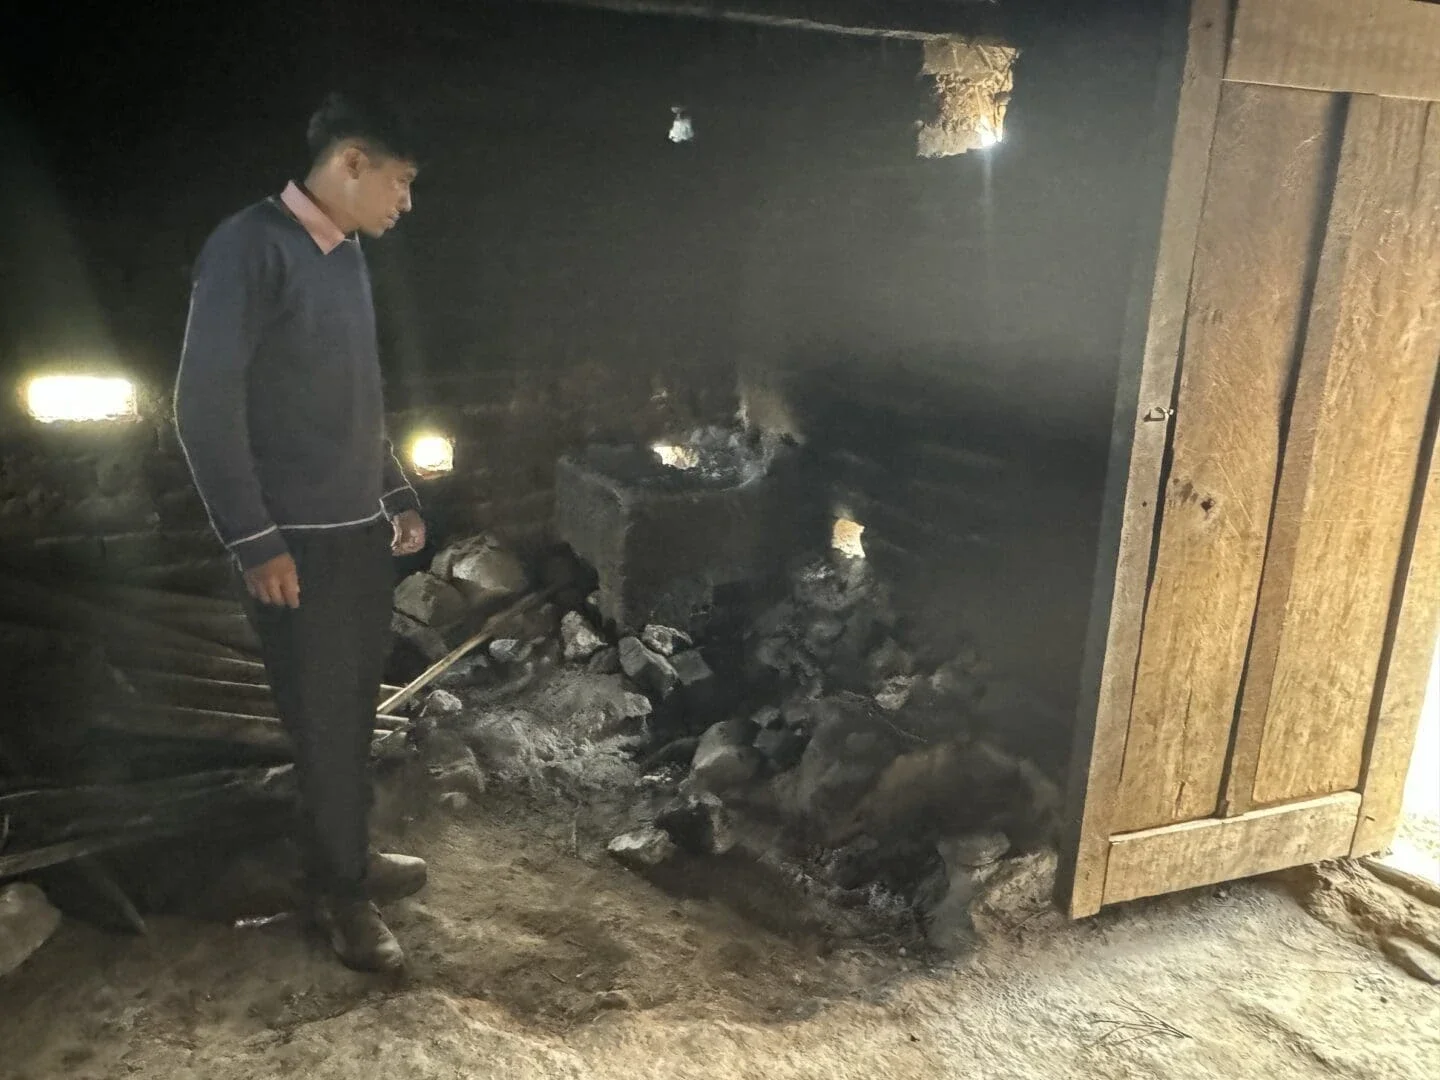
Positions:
{"x": 1261, "y": 643}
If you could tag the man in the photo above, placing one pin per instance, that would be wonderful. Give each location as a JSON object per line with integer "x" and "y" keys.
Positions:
{"x": 279, "y": 409}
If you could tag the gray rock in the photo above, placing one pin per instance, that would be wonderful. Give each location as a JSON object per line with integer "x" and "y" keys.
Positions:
{"x": 700, "y": 824}
{"x": 501, "y": 739}
{"x": 620, "y": 716}
{"x": 455, "y": 801}
{"x": 665, "y": 640}
{"x": 441, "y": 702}
{"x": 895, "y": 692}
{"x": 606, "y": 661}
{"x": 27, "y": 920}
{"x": 580, "y": 639}
{"x": 451, "y": 764}
{"x": 642, "y": 849}
{"x": 725, "y": 758}
{"x": 391, "y": 747}
{"x": 974, "y": 850}
{"x": 823, "y": 632}
{"x": 482, "y": 562}
{"x": 887, "y": 660}
{"x": 691, "y": 668}
{"x": 781, "y": 742}
{"x": 430, "y": 601}
{"x": 510, "y": 650}
{"x": 427, "y": 642}
{"x": 633, "y": 706}
{"x": 847, "y": 750}
{"x": 466, "y": 671}
{"x": 1414, "y": 959}
{"x": 485, "y": 573}
{"x": 650, "y": 671}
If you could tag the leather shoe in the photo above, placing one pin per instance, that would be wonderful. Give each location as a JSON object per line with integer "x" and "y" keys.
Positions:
{"x": 359, "y": 936}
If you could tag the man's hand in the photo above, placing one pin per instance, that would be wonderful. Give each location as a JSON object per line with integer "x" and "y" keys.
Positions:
{"x": 409, "y": 533}
{"x": 275, "y": 582}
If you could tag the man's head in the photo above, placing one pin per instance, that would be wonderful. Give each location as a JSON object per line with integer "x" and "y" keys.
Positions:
{"x": 363, "y": 160}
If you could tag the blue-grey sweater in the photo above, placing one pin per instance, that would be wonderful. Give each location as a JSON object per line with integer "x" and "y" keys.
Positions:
{"x": 278, "y": 402}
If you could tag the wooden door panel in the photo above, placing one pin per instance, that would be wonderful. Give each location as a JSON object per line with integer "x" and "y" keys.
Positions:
{"x": 1195, "y": 853}
{"x": 1351, "y": 458}
{"x": 1257, "y": 243}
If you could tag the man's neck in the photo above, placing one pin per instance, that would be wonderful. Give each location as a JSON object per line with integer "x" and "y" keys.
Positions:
{"x": 316, "y": 186}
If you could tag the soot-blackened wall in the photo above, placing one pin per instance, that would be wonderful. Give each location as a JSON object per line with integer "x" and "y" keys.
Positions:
{"x": 944, "y": 333}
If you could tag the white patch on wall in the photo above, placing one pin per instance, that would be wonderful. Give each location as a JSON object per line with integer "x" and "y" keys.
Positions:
{"x": 681, "y": 129}
{"x": 54, "y": 398}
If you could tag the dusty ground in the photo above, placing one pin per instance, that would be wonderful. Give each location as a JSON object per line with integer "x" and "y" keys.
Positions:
{"x": 518, "y": 941}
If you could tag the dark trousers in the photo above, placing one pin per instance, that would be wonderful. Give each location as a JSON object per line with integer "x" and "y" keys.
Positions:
{"x": 325, "y": 660}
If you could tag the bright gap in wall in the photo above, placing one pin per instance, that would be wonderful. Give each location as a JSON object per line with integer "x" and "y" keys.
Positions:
{"x": 846, "y": 538}
{"x": 55, "y": 398}
{"x": 432, "y": 454}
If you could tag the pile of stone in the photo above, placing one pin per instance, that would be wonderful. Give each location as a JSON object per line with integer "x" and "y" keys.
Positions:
{"x": 466, "y": 581}
{"x": 660, "y": 662}
{"x": 843, "y": 754}
{"x": 866, "y": 768}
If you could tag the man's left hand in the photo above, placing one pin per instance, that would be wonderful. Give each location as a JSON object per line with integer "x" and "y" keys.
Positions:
{"x": 409, "y": 533}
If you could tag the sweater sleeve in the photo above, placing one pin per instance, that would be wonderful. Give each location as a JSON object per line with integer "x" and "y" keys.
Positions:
{"x": 227, "y": 311}
{"x": 399, "y": 495}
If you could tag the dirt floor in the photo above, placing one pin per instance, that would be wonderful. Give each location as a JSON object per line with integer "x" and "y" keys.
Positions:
{"x": 533, "y": 954}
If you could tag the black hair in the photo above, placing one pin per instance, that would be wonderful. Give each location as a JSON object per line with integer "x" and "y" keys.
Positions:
{"x": 380, "y": 125}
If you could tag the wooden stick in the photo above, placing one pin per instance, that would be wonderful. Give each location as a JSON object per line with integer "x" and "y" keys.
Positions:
{"x": 100, "y": 880}
{"x": 46, "y": 607}
{"x": 851, "y": 18}
{"x": 63, "y": 824}
{"x": 450, "y": 659}
{"x": 145, "y": 600}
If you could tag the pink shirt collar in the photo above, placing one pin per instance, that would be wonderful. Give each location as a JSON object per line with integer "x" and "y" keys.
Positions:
{"x": 322, "y": 230}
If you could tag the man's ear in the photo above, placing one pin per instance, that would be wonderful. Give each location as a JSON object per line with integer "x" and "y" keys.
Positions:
{"x": 352, "y": 159}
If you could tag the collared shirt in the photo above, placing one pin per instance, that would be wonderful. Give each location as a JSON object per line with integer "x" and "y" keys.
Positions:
{"x": 278, "y": 401}
{"x": 322, "y": 230}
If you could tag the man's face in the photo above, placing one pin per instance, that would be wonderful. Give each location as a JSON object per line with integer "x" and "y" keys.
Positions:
{"x": 380, "y": 192}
